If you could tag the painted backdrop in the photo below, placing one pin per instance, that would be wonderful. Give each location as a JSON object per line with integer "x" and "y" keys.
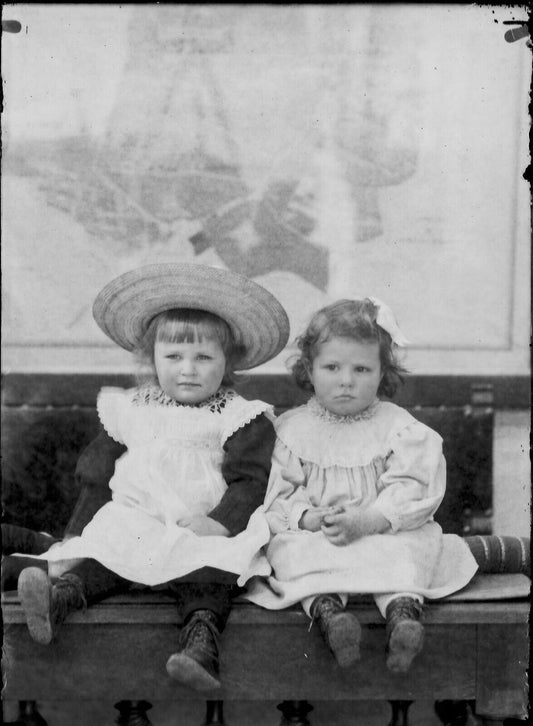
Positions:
{"x": 324, "y": 151}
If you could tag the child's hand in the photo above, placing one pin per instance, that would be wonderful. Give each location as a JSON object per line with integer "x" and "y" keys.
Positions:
{"x": 312, "y": 519}
{"x": 205, "y": 526}
{"x": 351, "y": 522}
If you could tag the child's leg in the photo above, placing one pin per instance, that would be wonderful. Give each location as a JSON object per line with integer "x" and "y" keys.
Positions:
{"x": 12, "y": 566}
{"x": 47, "y": 604}
{"x": 193, "y": 596}
{"x": 21, "y": 540}
{"x": 405, "y": 632}
{"x": 341, "y": 630}
{"x": 204, "y": 607}
{"x": 307, "y": 602}
{"x": 25, "y": 541}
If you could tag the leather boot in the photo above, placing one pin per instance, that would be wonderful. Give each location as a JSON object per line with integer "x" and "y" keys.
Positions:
{"x": 196, "y": 662}
{"x": 46, "y": 605}
{"x": 405, "y": 634}
{"x": 340, "y": 630}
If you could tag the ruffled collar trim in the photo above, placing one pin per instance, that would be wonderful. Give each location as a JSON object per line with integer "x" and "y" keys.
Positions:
{"x": 318, "y": 410}
{"x": 151, "y": 394}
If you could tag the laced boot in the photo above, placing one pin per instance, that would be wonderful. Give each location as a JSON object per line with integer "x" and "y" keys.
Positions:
{"x": 196, "y": 662}
{"x": 46, "y": 605}
{"x": 340, "y": 630}
{"x": 405, "y": 633}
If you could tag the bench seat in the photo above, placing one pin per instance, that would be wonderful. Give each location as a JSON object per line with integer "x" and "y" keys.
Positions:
{"x": 476, "y": 648}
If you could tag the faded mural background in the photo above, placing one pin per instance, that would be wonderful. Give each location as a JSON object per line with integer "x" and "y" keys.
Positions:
{"x": 324, "y": 151}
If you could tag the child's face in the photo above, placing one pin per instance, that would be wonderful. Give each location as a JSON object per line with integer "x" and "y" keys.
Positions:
{"x": 190, "y": 372}
{"x": 346, "y": 375}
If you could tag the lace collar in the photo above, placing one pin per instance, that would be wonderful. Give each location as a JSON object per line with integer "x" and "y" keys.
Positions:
{"x": 318, "y": 410}
{"x": 154, "y": 394}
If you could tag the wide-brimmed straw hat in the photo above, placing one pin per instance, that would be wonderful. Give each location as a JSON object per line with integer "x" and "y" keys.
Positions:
{"x": 127, "y": 304}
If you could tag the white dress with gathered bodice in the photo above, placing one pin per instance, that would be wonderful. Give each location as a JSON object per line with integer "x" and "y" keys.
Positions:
{"x": 382, "y": 458}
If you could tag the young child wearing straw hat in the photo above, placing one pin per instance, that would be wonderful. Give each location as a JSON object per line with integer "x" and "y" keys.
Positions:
{"x": 185, "y": 514}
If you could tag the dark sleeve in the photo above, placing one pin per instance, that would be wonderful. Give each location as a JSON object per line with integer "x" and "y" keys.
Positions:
{"x": 95, "y": 468}
{"x": 245, "y": 469}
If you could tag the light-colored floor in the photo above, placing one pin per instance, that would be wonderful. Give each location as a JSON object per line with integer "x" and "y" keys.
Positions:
{"x": 238, "y": 713}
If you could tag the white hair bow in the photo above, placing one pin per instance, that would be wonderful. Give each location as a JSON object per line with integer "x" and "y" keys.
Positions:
{"x": 386, "y": 320}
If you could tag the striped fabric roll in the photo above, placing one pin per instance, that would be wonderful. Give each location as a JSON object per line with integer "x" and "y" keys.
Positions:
{"x": 501, "y": 554}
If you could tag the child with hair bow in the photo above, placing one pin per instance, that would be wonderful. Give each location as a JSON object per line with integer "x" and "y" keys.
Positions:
{"x": 354, "y": 485}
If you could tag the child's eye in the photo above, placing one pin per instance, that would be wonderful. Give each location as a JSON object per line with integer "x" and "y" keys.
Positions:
{"x": 362, "y": 369}
{"x": 173, "y": 356}
{"x": 331, "y": 366}
{"x": 203, "y": 357}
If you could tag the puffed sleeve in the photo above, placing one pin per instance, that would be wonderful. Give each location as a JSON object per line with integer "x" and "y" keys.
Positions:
{"x": 414, "y": 481}
{"x": 94, "y": 469}
{"x": 245, "y": 468}
{"x": 286, "y": 498}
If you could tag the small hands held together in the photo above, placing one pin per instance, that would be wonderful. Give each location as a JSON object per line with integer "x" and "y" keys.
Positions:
{"x": 313, "y": 518}
{"x": 348, "y": 523}
{"x": 204, "y": 526}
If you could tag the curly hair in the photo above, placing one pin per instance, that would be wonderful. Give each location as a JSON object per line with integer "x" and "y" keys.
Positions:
{"x": 354, "y": 319}
{"x": 186, "y": 325}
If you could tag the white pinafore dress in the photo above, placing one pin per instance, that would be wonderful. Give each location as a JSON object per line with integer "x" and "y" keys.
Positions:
{"x": 171, "y": 470}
